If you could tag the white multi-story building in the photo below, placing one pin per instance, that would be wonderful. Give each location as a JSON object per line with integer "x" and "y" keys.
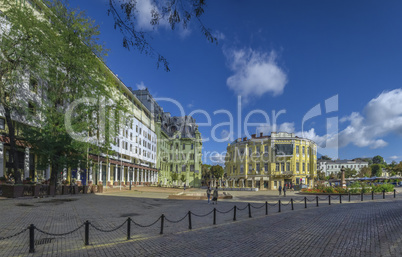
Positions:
{"x": 329, "y": 166}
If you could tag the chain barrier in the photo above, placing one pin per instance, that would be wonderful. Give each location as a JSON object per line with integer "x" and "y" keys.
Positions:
{"x": 177, "y": 221}
{"x": 145, "y": 226}
{"x": 258, "y": 207}
{"x": 334, "y": 198}
{"x": 242, "y": 208}
{"x": 224, "y": 212}
{"x": 16, "y": 234}
{"x": 203, "y": 214}
{"x": 61, "y": 234}
{"x": 312, "y": 200}
{"x": 105, "y": 230}
{"x": 272, "y": 204}
{"x": 285, "y": 204}
{"x": 323, "y": 199}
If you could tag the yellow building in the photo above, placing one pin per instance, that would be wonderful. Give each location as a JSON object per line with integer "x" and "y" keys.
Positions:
{"x": 267, "y": 162}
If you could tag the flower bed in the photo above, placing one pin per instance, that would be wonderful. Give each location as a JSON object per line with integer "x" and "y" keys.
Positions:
{"x": 355, "y": 188}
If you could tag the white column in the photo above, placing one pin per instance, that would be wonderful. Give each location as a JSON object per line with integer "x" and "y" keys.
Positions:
{"x": 78, "y": 173}
{"x": 115, "y": 173}
{"x": 122, "y": 173}
{"x": 100, "y": 171}
{"x": 142, "y": 177}
{"x": 65, "y": 174}
{"x": 90, "y": 175}
{"x": 128, "y": 174}
{"x": 26, "y": 164}
{"x": 138, "y": 175}
{"x": 1, "y": 159}
{"x": 108, "y": 173}
{"x": 148, "y": 176}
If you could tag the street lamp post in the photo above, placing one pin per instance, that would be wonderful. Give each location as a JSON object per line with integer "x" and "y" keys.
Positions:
{"x": 343, "y": 182}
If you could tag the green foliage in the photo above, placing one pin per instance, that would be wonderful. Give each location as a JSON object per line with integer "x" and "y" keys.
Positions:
{"x": 378, "y": 160}
{"x": 183, "y": 178}
{"x": 217, "y": 171}
{"x": 328, "y": 190}
{"x": 376, "y": 170}
{"x": 325, "y": 157}
{"x": 383, "y": 187}
{"x": 350, "y": 173}
{"x": 364, "y": 172}
{"x": 174, "y": 176}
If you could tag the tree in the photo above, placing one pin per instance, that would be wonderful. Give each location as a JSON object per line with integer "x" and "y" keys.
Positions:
{"x": 325, "y": 157}
{"x": 21, "y": 50}
{"x": 183, "y": 178}
{"x": 376, "y": 170}
{"x": 173, "y": 12}
{"x": 350, "y": 172}
{"x": 378, "y": 160}
{"x": 174, "y": 176}
{"x": 75, "y": 72}
{"x": 364, "y": 172}
{"x": 217, "y": 171}
{"x": 321, "y": 175}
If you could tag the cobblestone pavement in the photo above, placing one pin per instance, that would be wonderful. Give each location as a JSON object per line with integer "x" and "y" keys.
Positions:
{"x": 358, "y": 228}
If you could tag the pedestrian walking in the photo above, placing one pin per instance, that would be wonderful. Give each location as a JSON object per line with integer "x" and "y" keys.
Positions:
{"x": 280, "y": 189}
{"x": 284, "y": 191}
{"x": 215, "y": 196}
{"x": 209, "y": 193}
{"x": 184, "y": 187}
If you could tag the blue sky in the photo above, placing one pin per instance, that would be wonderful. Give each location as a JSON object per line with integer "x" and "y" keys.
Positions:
{"x": 278, "y": 55}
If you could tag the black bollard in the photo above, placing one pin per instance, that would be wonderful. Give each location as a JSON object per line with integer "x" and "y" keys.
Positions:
{"x": 128, "y": 228}
{"x": 234, "y": 213}
{"x": 329, "y": 199}
{"x": 316, "y": 198}
{"x": 349, "y": 196}
{"x": 249, "y": 210}
{"x": 372, "y": 195}
{"x": 162, "y": 221}
{"x": 340, "y": 198}
{"x": 32, "y": 238}
{"x": 291, "y": 201}
{"x": 86, "y": 232}
{"x": 266, "y": 208}
{"x": 189, "y": 220}
{"x": 214, "y": 216}
{"x": 279, "y": 206}
{"x": 305, "y": 202}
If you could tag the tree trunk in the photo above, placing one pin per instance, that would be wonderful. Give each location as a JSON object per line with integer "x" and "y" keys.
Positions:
{"x": 53, "y": 174}
{"x": 13, "y": 147}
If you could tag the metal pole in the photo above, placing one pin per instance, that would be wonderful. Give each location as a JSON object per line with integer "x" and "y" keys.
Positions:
{"x": 214, "y": 216}
{"x": 32, "y": 238}
{"x": 316, "y": 198}
{"x": 305, "y": 202}
{"x": 234, "y": 213}
{"x": 86, "y": 232}
{"x": 128, "y": 228}
{"x": 266, "y": 208}
{"x": 279, "y": 205}
{"x": 340, "y": 198}
{"x": 162, "y": 221}
{"x": 249, "y": 210}
{"x": 291, "y": 201}
{"x": 189, "y": 220}
{"x": 329, "y": 199}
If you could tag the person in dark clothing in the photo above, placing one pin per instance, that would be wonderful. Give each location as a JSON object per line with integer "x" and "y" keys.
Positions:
{"x": 284, "y": 191}
{"x": 280, "y": 189}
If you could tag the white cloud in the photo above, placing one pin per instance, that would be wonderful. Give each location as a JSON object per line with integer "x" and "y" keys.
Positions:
{"x": 144, "y": 15}
{"x": 382, "y": 116}
{"x": 219, "y": 35}
{"x": 255, "y": 73}
{"x": 218, "y": 158}
{"x": 141, "y": 86}
{"x": 394, "y": 157}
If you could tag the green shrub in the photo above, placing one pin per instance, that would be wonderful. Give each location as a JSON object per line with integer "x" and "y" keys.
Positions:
{"x": 328, "y": 190}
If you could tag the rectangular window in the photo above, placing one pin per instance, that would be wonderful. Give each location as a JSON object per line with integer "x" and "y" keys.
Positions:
{"x": 266, "y": 167}
{"x": 304, "y": 167}
{"x": 297, "y": 149}
{"x": 31, "y": 108}
{"x": 191, "y": 167}
{"x": 250, "y": 167}
{"x": 257, "y": 167}
{"x": 131, "y": 147}
{"x": 288, "y": 166}
{"x": 184, "y": 146}
{"x": 277, "y": 166}
{"x": 297, "y": 167}
{"x": 258, "y": 149}
{"x": 282, "y": 166}
{"x": 136, "y": 128}
{"x": 183, "y": 168}
{"x": 303, "y": 150}
{"x": 266, "y": 149}
{"x": 2, "y": 124}
{"x": 192, "y": 146}
{"x": 241, "y": 169}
